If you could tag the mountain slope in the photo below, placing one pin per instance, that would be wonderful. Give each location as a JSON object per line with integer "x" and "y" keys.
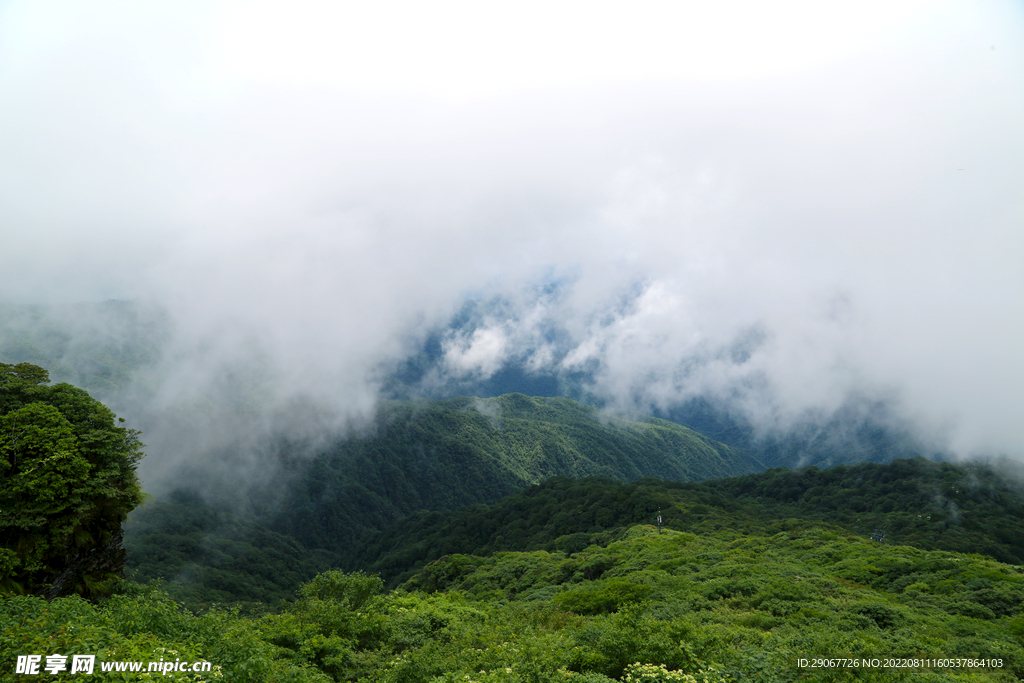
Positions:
{"x": 907, "y": 499}
{"x": 210, "y": 556}
{"x": 967, "y": 507}
{"x": 421, "y": 456}
{"x": 435, "y": 455}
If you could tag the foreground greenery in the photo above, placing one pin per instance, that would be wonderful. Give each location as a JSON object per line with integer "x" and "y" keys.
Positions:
{"x": 67, "y": 482}
{"x": 723, "y": 607}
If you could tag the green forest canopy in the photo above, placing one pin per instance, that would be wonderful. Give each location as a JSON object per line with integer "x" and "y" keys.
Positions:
{"x": 67, "y": 482}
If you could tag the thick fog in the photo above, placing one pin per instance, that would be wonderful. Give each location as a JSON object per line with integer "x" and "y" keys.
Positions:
{"x": 778, "y": 206}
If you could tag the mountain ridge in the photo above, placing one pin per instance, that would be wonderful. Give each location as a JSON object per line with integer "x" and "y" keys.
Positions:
{"x": 444, "y": 454}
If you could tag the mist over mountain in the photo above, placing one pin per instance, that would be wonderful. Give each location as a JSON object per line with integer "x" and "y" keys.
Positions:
{"x": 434, "y": 289}
{"x": 237, "y": 432}
{"x": 807, "y": 219}
{"x": 315, "y": 501}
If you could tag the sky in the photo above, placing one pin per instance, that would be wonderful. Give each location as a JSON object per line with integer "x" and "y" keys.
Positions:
{"x": 781, "y": 205}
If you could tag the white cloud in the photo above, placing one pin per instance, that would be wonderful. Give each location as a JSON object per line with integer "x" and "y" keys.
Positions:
{"x": 310, "y": 190}
{"x": 480, "y": 355}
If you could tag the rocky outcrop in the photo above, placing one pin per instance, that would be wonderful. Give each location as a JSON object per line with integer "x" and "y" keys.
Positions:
{"x": 88, "y": 571}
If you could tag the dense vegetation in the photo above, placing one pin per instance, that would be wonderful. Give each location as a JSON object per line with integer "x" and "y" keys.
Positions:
{"x": 560, "y": 514}
{"x": 646, "y": 607}
{"x": 984, "y": 513}
{"x": 211, "y": 556}
{"x": 968, "y": 507}
{"x": 435, "y": 455}
{"x": 425, "y": 455}
{"x": 67, "y": 482}
{"x": 934, "y": 506}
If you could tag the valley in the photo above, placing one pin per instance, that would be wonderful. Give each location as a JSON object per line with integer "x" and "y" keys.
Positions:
{"x": 513, "y": 538}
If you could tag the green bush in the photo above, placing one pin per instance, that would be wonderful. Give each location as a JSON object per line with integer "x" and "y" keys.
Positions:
{"x": 601, "y": 597}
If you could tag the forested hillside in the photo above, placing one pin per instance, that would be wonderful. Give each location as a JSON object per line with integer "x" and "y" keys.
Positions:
{"x": 212, "y": 556}
{"x": 421, "y": 456}
{"x": 860, "y": 430}
{"x": 209, "y": 556}
{"x": 966, "y": 507}
{"x": 436, "y": 455}
{"x": 904, "y": 500}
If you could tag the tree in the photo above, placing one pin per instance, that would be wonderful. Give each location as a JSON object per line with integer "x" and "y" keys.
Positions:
{"x": 67, "y": 482}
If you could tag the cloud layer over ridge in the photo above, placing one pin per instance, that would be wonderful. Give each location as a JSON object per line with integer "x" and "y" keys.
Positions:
{"x": 779, "y": 209}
